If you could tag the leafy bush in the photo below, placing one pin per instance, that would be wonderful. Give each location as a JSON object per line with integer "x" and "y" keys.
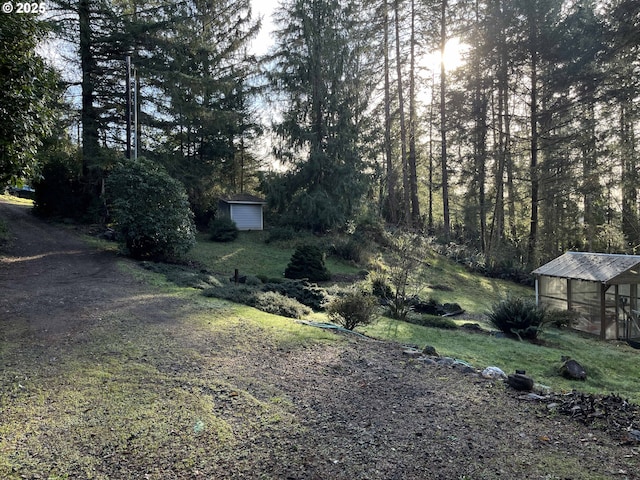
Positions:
{"x": 307, "y": 262}
{"x": 306, "y": 293}
{"x": 353, "y": 309}
{"x": 518, "y": 316}
{"x": 223, "y": 229}
{"x": 150, "y": 210}
{"x": 279, "y": 234}
{"x": 278, "y": 304}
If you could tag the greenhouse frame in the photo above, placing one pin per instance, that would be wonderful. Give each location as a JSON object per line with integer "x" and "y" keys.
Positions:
{"x": 601, "y": 288}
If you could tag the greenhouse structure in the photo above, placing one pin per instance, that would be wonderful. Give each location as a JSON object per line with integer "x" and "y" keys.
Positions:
{"x": 601, "y": 288}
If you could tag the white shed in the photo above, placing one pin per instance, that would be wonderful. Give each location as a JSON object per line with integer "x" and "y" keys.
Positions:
{"x": 244, "y": 209}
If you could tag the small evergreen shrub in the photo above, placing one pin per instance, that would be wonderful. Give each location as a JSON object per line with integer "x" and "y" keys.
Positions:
{"x": 519, "y": 317}
{"x": 150, "y": 210}
{"x": 278, "y": 304}
{"x": 307, "y": 262}
{"x": 223, "y": 229}
{"x": 242, "y": 294}
{"x": 271, "y": 302}
{"x": 306, "y": 293}
{"x": 353, "y": 309}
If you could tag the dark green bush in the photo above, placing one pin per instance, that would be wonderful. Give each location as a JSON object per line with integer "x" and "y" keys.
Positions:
{"x": 353, "y": 309}
{"x": 281, "y": 234}
{"x": 150, "y": 210}
{"x": 223, "y": 229}
{"x": 306, "y": 293}
{"x": 519, "y": 317}
{"x": 242, "y": 294}
{"x": 307, "y": 262}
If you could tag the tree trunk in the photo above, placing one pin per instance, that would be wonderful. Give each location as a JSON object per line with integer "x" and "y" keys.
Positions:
{"x": 403, "y": 130}
{"x": 443, "y": 125}
{"x": 533, "y": 168}
{"x": 392, "y": 200}
{"x": 413, "y": 170}
{"x": 88, "y": 115}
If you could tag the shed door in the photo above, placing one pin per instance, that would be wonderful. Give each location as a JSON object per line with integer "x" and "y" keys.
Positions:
{"x": 247, "y": 217}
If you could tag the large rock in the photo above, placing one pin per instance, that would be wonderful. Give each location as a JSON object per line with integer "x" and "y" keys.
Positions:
{"x": 520, "y": 381}
{"x": 573, "y": 370}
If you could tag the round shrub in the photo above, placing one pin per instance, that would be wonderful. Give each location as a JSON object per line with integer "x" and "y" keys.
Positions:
{"x": 517, "y": 316}
{"x": 278, "y": 304}
{"x": 353, "y": 309}
{"x": 150, "y": 210}
{"x": 307, "y": 262}
{"x": 223, "y": 229}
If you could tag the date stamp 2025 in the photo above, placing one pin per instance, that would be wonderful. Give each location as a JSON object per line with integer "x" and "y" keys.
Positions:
{"x": 24, "y": 7}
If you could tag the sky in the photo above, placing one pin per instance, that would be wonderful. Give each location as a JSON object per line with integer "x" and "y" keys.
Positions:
{"x": 264, "y": 9}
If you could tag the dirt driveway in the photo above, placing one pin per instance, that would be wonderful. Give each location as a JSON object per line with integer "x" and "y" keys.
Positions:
{"x": 75, "y": 407}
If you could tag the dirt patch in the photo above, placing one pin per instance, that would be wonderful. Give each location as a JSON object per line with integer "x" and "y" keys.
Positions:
{"x": 253, "y": 407}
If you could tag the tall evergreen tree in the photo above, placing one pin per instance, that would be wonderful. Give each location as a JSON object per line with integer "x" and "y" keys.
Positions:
{"x": 29, "y": 90}
{"x": 316, "y": 72}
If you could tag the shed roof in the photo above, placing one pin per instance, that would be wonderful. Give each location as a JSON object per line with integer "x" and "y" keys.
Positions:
{"x": 595, "y": 267}
{"x": 243, "y": 198}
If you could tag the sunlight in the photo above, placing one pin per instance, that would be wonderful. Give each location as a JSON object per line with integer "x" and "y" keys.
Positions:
{"x": 453, "y": 58}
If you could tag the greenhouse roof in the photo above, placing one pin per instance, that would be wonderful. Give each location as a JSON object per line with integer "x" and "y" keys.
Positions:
{"x": 595, "y": 267}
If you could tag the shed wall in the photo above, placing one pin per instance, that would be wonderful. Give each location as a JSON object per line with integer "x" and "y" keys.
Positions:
{"x": 247, "y": 217}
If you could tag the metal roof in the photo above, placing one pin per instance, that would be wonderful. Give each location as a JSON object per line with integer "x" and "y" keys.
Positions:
{"x": 595, "y": 267}
{"x": 243, "y": 198}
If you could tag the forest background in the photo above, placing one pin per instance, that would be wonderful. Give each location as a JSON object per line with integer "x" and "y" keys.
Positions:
{"x": 523, "y": 149}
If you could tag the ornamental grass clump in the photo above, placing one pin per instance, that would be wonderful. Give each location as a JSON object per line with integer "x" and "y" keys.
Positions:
{"x": 518, "y": 317}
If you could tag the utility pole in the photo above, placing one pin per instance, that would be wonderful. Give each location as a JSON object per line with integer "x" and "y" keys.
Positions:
{"x": 132, "y": 110}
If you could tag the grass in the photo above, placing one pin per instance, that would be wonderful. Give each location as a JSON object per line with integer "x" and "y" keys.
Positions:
{"x": 612, "y": 367}
{"x": 252, "y": 256}
{"x": 135, "y": 392}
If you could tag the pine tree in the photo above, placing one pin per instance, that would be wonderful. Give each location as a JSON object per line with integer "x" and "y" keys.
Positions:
{"x": 317, "y": 74}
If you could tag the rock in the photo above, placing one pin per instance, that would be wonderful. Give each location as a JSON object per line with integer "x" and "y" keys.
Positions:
{"x": 412, "y": 352}
{"x": 494, "y": 372}
{"x": 520, "y": 381}
{"x": 573, "y": 370}
{"x": 430, "y": 351}
{"x": 428, "y": 361}
{"x": 446, "y": 361}
{"x": 632, "y": 437}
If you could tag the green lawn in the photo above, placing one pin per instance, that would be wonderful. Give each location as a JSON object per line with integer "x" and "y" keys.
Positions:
{"x": 611, "y": 366}
{"x": 252, "y": 256}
